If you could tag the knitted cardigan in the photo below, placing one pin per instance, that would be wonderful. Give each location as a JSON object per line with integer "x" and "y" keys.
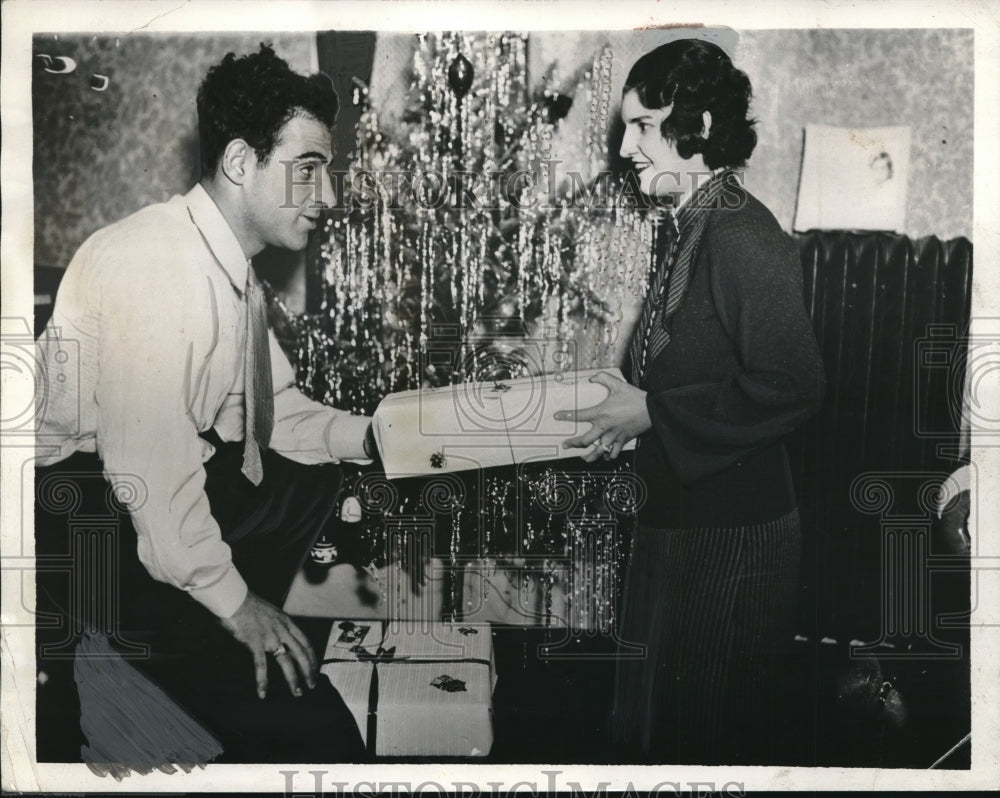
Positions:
{"x": 741, "y": 371}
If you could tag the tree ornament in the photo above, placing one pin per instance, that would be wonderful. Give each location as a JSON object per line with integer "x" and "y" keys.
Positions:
{"x": 460, "y": 75}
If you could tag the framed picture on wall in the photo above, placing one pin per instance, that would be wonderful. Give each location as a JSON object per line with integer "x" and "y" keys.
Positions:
{"x": 853, "y": 178}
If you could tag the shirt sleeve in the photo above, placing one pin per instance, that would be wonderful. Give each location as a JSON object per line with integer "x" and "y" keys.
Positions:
{"x": 157, "y": 329}
{"x": 756, "y": 285}
{"x": 307, "y": 431}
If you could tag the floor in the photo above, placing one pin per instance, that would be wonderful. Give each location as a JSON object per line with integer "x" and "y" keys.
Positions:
{"x": 554, "y": 710}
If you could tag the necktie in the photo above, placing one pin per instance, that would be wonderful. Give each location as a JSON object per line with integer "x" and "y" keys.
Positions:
{"x": 650, "y": 336}
{"x": 258, "y": 388}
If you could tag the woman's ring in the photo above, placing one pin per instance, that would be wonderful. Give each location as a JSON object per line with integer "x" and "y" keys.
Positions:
{"x": 605, "y": 446}
{"x": 280, "y": 651}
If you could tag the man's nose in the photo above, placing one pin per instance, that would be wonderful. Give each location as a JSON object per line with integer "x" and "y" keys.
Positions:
{"x": 324, "y": 196}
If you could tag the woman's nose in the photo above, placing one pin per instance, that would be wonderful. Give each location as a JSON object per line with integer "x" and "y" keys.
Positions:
{"x": 628, "y": 144}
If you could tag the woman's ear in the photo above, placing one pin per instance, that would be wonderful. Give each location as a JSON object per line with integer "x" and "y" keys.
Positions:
{"x": 236, "y": 159}
{"x": 706, "y": 123}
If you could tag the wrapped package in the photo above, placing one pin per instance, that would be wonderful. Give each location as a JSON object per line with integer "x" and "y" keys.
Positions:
{"x": 415, "y": 688}
{"x": 483, "y": 424}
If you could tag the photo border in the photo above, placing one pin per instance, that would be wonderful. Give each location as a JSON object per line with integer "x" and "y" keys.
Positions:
{"x": 22, "y": 18}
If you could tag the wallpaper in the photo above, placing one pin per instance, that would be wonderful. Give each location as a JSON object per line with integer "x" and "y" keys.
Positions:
{"x": 119, "y": 131}
{"x": 867, "y": 78}
{"x": 844, "y": 78}
{"x": 101, "y": 154}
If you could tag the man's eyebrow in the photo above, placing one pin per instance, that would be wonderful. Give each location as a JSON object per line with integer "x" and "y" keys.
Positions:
{"x": 312, "y": 155}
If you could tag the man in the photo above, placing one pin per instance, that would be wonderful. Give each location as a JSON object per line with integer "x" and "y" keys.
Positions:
{"x": 181, "y": 389}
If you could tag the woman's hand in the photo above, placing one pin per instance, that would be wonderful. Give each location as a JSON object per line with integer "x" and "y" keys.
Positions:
{"x": 615, "y": 421}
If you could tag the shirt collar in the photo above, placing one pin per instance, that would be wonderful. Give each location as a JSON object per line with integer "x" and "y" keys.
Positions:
{"x": 218, "y": 235}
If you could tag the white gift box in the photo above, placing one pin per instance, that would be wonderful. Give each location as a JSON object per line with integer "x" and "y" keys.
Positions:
{"x": 483, "y": 424}
{"x": 417, "y": 688}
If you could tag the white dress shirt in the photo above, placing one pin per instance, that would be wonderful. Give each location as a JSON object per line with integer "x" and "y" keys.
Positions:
{"x": 155, "y": 308}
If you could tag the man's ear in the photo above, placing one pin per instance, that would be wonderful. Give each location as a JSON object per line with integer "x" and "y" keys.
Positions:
{"x": 237, "y": 160}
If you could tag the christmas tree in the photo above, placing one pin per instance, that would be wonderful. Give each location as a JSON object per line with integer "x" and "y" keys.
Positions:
{"x": 460, "y": 252}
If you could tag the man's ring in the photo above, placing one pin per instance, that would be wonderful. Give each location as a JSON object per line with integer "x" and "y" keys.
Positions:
{"x": 280, "y": 651}
{"x": 605, "y": 446}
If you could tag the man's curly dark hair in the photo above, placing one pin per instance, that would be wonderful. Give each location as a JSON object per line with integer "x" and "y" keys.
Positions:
{"x": 251, "y": 98}
{"x": 697, "y": 76}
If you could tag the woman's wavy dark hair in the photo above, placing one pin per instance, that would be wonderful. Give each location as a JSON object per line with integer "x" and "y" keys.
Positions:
{"x": 697, "y": 76}
{"x": 251, "y": 98}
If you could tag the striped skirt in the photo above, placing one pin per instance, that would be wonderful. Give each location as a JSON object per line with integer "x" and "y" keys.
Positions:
{"x": 714, "y": 608}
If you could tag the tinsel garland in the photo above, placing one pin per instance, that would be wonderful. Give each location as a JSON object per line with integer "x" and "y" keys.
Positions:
{"x": 496, "y": 280}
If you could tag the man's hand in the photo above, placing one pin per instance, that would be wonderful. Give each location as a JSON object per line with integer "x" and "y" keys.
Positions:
{"x": 265, "y": 630}
{"x": 615, "y": 421}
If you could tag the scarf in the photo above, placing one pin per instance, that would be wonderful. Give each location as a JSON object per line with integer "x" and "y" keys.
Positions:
{"x": 669, "y": 284}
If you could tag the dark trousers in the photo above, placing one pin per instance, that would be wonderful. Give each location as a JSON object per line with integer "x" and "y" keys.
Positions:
{"x": 90, "y": 578}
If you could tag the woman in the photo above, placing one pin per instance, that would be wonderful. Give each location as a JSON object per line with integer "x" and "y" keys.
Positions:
{"x": 724, "y": 364}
